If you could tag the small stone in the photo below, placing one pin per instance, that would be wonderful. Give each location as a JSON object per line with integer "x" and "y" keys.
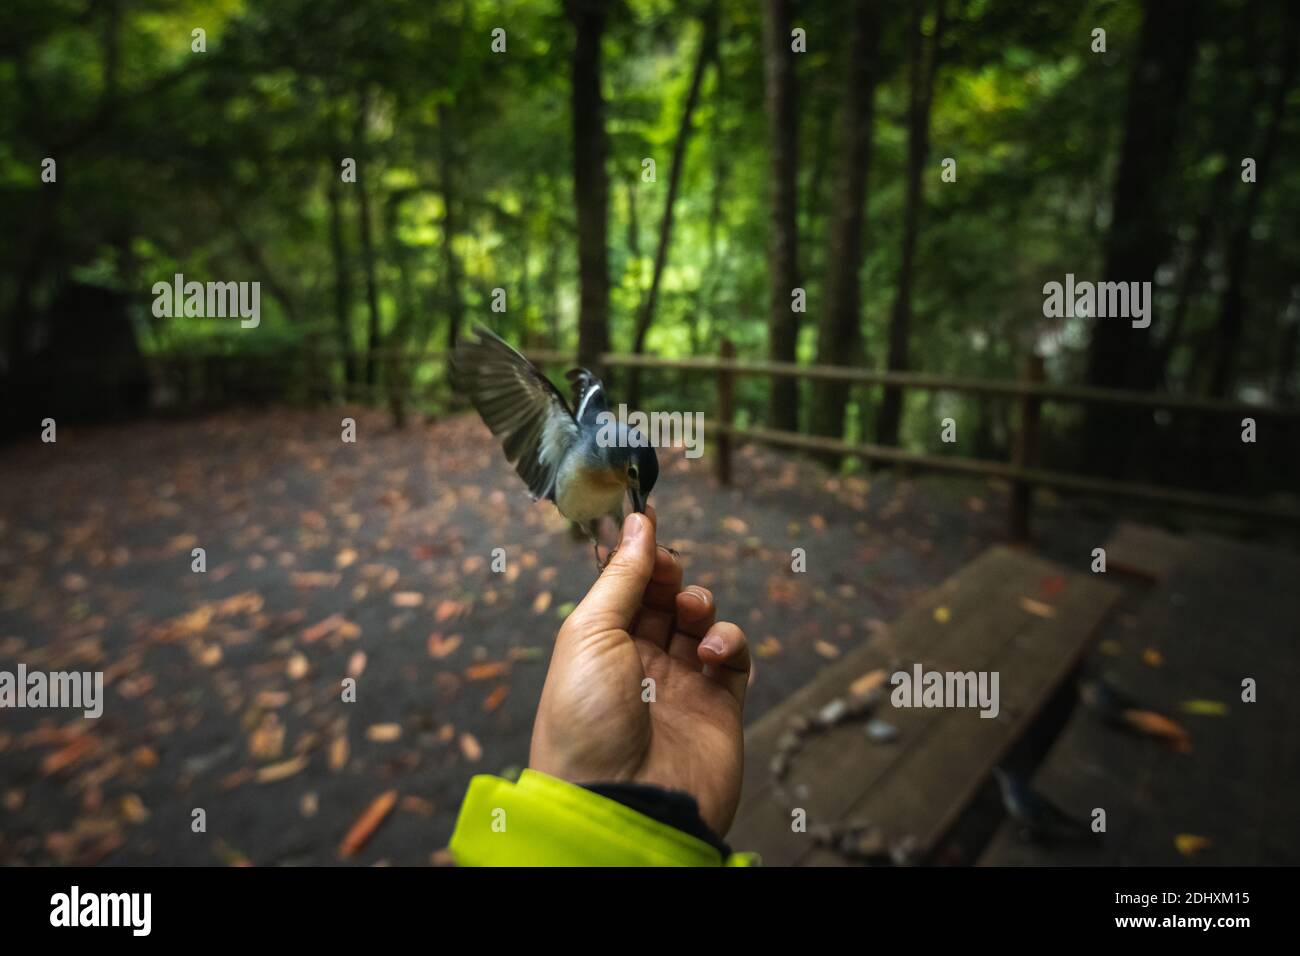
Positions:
{"x": 779, "y": 766}
{"x": 787, "y": 743}
{"x": 881, "y": 732}
{"x": 832, "y": 713}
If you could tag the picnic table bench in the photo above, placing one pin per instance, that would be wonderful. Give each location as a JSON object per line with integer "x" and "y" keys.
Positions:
{"x": 1216, "y": 611}
{"x": 1009, "y": 612}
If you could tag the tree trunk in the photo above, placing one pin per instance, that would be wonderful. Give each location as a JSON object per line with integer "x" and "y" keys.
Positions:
{"x": 839, "y": 332}
{"x": 450, "y": 229}
{"x": 1139, "y": 239}
{"x": 646, "y": 314}
{"x": 590, "y": 181}
{"x": 924, "y": 65}
{"x": 342, "y": 278}
{"x": 1232, "y": 310}
{"x": 367, "y": 245}
{"x": 783, "y": 253}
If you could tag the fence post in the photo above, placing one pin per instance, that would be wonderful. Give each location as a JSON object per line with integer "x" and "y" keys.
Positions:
{"x": 726, "y": 413}
{"x": 1024, "y": 449}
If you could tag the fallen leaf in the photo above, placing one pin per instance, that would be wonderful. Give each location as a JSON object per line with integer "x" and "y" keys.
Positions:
{"x": 1189, "y": 844}
{"x": 868, "y": 682}
{"x": 495, "y": 699}
{"x": 471, "y": 748}
{"x": 1111, "y": 648}
{"x": 827, "y": 650}
{"x": 542, "y": 602}
{"x": 446, "y": 610}
{"x": 61, "y": 759}
{"x": 315, "y": 579}
{"x": 770, "y": 647}
{"x": 414, "y": 804}
{"x": 384, "y": 733}
{"x": 942, "y": 615}
{"x": 440, "y": 647}
{"x": 338, "y": 752}
{"x": 282, "y": 770}
{"x": 487, "y": 671}
{"x": 1157, "y": 725}
{"x": 1037, "y": 608}
{"x": 1053, "y": 585}
{"x": 133, "y": 808}
{"x": 1204, "y": 708}
{"x": 1152, "y": 657}
{"x": 345, "y": 558}
{"x": 408, "y": 599}
{"x": 366, "y": 824}
{"x": 356, "y": 663}
{"x": 323, "y": 628}
{"x": 297, "y": 667}
{"x": 735, "y": 525}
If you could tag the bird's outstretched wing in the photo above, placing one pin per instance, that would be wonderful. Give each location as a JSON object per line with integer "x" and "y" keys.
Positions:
{"x": 519, "y": 404}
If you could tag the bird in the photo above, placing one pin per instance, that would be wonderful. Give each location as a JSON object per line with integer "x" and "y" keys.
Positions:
{"x": 1036, "y": 817}
{"x": 580, "y": 457}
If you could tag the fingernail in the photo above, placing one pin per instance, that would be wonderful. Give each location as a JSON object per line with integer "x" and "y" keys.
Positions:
{"x": 633, "y": 525}
{"x": 714, "y": 643}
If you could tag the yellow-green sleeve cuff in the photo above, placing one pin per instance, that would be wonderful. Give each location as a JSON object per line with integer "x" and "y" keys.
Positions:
{"x": 543, "y": 821}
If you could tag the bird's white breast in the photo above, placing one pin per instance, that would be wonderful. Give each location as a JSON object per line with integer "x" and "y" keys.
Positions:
{"x": 584, "y": 494}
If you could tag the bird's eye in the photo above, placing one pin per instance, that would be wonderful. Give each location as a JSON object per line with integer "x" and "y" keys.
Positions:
{"x": 631, "y": 472}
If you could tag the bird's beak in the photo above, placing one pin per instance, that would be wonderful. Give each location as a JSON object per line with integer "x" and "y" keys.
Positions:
{"x": 638, "y": 499}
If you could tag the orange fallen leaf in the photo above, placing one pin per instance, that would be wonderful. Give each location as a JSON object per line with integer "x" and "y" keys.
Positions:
{"x": 338, "y": 752}
{"x": 486, "y": 671}
{"x": 471, "y": 748}
{"x": 297, "y": 667}
{"x": 281, "y": 771}
{"x": 542, "y": 602}
{"x": 440, "y": 647}
{"x": 1152, "y": 657}
{"x": 770, "y": 647}
{"x": 1037, "y": 608}
{"x": 65, "y": 757}
{"x": 314, "y": 579}
{"x": 827, "y": 650}
{"x": 446, "y": 610}
{"x": 868, "y": 682}
{"x": 1157, "y": 725}
{"x": 384, "y": 733}
{"x": 357, "y": 663}
{"x": 495, "y": 699}
{"x": 322, "y": 628}
{"x": 408, "y": 599}
{"x": 366, "y": 824}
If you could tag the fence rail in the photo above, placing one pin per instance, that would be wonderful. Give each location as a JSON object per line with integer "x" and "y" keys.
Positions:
{"x": 1022, "y": 471}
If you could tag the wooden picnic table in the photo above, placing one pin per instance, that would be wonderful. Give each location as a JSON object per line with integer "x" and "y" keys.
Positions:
{"x": 1008, "y": 611}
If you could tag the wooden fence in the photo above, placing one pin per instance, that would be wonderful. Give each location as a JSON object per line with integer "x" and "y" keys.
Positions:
{"x": 1021, "y": 471}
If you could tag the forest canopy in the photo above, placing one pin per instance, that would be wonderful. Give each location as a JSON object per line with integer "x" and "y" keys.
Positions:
{"x": 881, "y": 183}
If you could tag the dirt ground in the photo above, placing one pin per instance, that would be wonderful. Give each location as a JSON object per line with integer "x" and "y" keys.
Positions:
{"x": 327, "y": 559}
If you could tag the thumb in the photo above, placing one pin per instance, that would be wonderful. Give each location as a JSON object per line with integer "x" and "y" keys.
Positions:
{"x": 615, "y": 598}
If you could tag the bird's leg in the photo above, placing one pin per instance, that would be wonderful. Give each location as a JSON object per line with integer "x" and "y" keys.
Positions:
{"x": 593, "y": 531}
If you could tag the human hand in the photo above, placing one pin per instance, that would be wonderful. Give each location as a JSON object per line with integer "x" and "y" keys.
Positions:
{"x": 597, "y": 723}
